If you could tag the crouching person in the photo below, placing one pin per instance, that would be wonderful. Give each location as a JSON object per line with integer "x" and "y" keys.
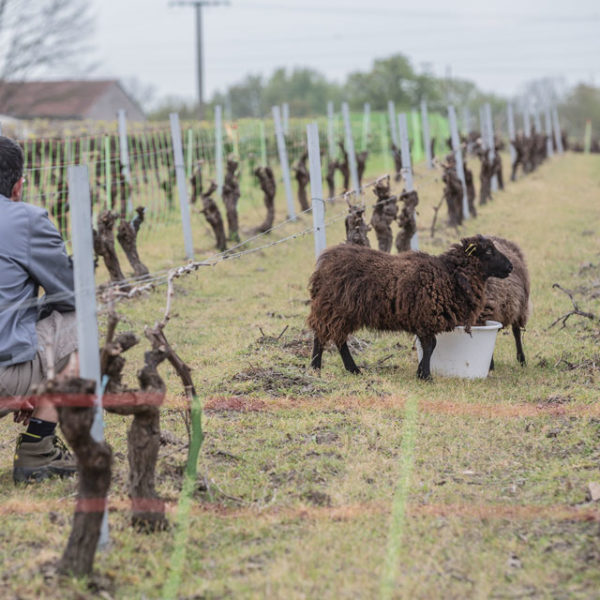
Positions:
{"x": 38, "y": 335}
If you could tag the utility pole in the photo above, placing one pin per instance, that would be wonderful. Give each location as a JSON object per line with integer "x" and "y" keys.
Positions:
{"x": 198, "y": 5}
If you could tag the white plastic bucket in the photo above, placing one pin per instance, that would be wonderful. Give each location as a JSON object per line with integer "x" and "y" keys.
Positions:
{"x": 458, "y": 354}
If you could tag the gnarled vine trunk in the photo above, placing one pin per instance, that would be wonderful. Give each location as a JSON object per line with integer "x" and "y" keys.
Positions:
{"x": 231, "y": 195}
{"x": 127, "y": 237}
{"x": 302, "y": 177}
{"x": 94, "y": 467}
{"x": 269, "y": 187}
{"x": 104, "y": 246}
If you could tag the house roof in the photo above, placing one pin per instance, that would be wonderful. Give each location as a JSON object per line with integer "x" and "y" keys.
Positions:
{"x": 51, "y": 99}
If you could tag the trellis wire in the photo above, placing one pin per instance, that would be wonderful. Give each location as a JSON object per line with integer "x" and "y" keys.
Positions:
{"x": 160, "y": 277}
{"x": 151, "y": 169}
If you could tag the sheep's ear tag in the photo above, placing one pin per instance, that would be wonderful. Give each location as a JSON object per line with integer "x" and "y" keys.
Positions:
{"x": 470, "y": 249}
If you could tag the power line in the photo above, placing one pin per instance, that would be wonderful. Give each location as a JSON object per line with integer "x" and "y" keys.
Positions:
{"x": 134, "y": 286}
{"x": 418, "y": 33}
{"x": 578, "y": 54}
{"x": 342, "y": 11}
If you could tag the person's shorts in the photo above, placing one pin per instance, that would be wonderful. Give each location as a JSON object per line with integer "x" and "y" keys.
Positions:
{"x": 57, "y": 340}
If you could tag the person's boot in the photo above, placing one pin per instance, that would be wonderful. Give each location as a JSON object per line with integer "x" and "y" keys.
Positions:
{"x": 36, "y": 460}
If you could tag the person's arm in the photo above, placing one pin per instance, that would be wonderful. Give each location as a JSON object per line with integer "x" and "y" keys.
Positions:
{"x": 49, "y": 264}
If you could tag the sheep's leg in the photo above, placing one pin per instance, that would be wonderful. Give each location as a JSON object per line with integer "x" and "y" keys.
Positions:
{"x": 347, "y": 358}
{"x": 520, "y": 354}
{"x": 317, "y": 354}
{"x": 428, "y": 345}
{"x": 492, "y": 367}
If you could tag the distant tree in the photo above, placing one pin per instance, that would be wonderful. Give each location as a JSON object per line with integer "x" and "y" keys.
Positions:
{"x": 166, "y": 106}
{"x": 540, "y": 92}
{"x": 305, "y": 90}
{"x": 390, "y": 79}
{"x": 459, "y": 92}
{"x": 358, "y": 91}
{"x": 581, "y": 104}
{"x": 426, "y": 87}
{"x": 245, "y": 97}
{"x": 43, "y": 37}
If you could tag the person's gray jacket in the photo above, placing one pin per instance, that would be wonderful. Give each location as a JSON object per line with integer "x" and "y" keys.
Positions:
{"x": 32, "y": 255}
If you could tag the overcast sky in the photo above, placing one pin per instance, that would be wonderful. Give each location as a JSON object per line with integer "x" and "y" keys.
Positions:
{"x": 499, "y": 44}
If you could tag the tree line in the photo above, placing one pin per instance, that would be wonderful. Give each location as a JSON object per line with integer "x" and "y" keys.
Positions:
{"x": 307, "y": 91}
{"x": 394, "y": 78}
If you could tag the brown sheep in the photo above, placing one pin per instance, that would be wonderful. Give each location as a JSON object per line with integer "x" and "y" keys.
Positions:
{"x": 354, "y": 287}
{"x": 507, "y": 301}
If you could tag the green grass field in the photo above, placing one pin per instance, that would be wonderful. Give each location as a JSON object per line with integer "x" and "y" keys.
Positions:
{"x": 342, "y": 486}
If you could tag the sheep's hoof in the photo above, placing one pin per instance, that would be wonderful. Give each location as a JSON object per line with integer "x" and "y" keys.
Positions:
{"x": 424, "y": 376}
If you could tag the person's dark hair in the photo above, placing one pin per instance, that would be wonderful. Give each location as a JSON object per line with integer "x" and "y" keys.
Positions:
{"x": 11, "y": 165}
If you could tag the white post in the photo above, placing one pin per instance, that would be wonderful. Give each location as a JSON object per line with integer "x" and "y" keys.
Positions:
{"x": 366, "y": 126}
{"x": 557, "y": 135}
{"x": 460, "y": 171}
{"x": 426, "y": 136}
{"x": 392, "y": 119}
{"x": 526, "y": 122}
{"x": 350, "y": 148}
{"x": 491, "y": 142}
{"x": 124, "y": 154}
{"x": 483, "y": 126}
{"x": 182, "y": 185}
{"x": 285, "y": 109}
{"x": 407, "y": 173}
{"x": 548, "y": 124}
{"x": 283, "y": 159}
{"x": 219, "y": 147}
{"x": 511, "y": 132}
{"x": 316, "y": 187}
{"x": 330, "y": 130}
{"x": 88, "y": 338}
{"x": 537, "y": 120}
{"x": 466, "y": 120}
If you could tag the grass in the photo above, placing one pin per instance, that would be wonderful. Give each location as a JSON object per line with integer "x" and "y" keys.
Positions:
{"x": 298, "y": 472}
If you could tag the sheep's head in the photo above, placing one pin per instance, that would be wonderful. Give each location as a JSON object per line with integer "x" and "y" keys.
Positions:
{"x": 493, "y": 262}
